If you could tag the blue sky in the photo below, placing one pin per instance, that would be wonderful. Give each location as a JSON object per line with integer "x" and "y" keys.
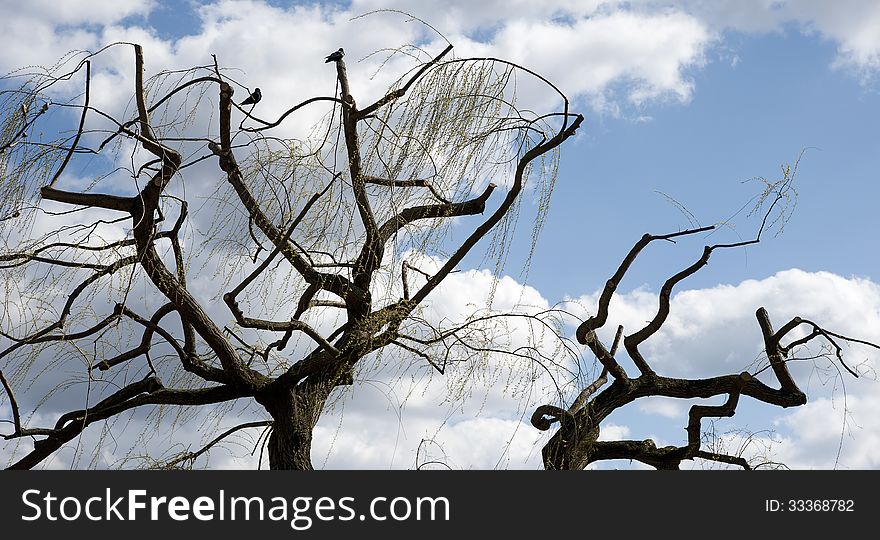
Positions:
{"x": 743, "y": 120}
{"x": 682, "y": 97}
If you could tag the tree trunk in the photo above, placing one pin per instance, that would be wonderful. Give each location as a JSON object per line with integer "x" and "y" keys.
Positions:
{"x": 290, "y": 445}
{"x": 294, "y": 413}
{"x": 569, "y": 450}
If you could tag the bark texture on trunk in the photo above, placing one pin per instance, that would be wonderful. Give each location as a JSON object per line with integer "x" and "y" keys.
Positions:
{"x": 295, "y": 413}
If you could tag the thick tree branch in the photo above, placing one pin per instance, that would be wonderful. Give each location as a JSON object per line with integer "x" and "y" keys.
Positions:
{"x": 606, "y": 358}
{"x": 190, "y": 361}
{"x": 415, "y": 182}
{"x": 500, "y": 212}
{"x": 774, "y": 353}
{"x": 370, "y": 258}
{"x": 598, "y": 320}
{"x": 95, "y": 200}
{"x": 362, "y": 275}
{"x": 594, "y": 387}
{"x": 146, "y": 339}
{"x": 292, "y": 325}
{"x": 13, "y": 404}
{"x": 724, "y": 458}
{"x": 336, "y": 284}
{"x": 148, "y": 391}
{"x": 144, "y": 221}
{"x": 409, "y": 215}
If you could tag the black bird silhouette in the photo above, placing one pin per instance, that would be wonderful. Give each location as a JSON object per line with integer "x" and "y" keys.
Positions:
{"x": 335, "y": 56}
{"x": 254, "y": 98}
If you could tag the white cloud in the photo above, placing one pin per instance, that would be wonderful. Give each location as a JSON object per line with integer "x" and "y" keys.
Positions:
{"x": 665, "y": 407}
{"x": 473, "y": 443}
{"x": 613, "y": 432}
{"x": 465, "y": 16}
{"x": 589, "y": 55}
{"x": 715, "y": 329}
{"x": 826, "y": 427}
{"x": 74, "y": 12}
{"x": 583, "y": 50}
{"x": 40, "y": 32}
{"x": 741, "y": 15}
{"x": 597, "y": 50}
{"x": 853, "y": 25}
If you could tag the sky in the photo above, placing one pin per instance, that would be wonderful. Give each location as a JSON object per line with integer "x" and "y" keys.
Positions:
{"x": 687, "y": 105}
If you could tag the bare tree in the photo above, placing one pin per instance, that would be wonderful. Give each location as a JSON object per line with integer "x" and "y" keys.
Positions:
{"x": 575, "y": 444}
{"x": 315, "y": 240}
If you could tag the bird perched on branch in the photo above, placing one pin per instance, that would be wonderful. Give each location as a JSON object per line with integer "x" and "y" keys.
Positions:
{"x": 254, "y": 98}
{"x": 335, "y": 56}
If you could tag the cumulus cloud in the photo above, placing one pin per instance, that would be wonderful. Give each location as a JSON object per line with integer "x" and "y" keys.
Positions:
{"x": 668, "y": 408}
{"x": 587, "y": 56}
{"x": 832, "y": 433}
{"x": 600, "y": 51}
{"x": 852, "y": 25}
{"x": 613, "y": 432}
{"x": 41, "y": 32}
{"x": 583, "y": 48}
{"x": 714, "y": 331}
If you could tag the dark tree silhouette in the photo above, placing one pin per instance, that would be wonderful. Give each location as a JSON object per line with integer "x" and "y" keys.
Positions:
{"x": 575, "y": 445}
{"x": 341, "y": 209}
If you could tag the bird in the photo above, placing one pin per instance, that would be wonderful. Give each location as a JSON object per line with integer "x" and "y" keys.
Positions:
{"x": 254, "y": 98}
{"x": 335, "y": 56}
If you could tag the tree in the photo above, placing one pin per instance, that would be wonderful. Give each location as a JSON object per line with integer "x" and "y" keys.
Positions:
{"x": 344, "y": 210}
{"x": 575, "y": 445}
